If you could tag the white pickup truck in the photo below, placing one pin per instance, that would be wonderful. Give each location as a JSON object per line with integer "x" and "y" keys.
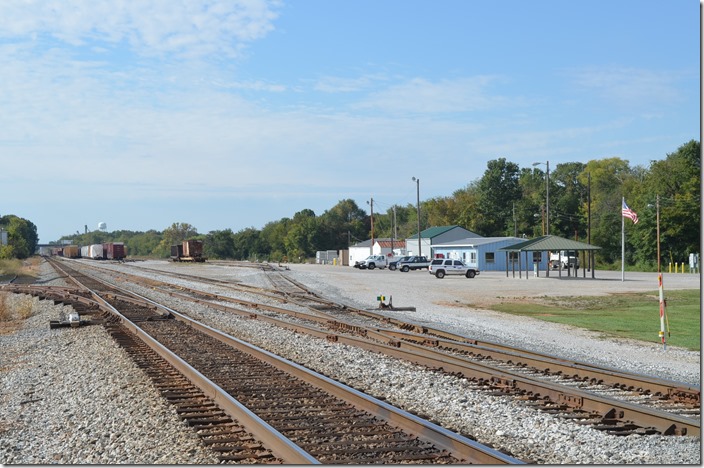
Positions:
{"x": 371, "y": 262}
{"x": 564, "y": 259}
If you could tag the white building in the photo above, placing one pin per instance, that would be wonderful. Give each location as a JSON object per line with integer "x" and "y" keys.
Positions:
{"x": 382, "y": 246}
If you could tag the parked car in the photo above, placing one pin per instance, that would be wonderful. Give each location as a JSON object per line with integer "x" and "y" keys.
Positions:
{"x": 393, "y": 265}
{"x": 445, "y": 266}
{"x": 371, "y": 262}
{"x": 416, "y": 262}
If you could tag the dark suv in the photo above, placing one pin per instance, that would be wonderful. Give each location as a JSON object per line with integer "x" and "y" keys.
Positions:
{"x": 417, "y": 262}
{"x": 393, "y": 265}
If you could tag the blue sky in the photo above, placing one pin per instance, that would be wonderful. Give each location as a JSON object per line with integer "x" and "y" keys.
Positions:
{"x": 233, "y": 113}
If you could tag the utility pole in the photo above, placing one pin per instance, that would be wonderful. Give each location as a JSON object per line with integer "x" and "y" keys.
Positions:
{"x": 589, "y": 222}
{"x": 393, "y": 231}
{"x": 547, "y": 200}
{"x": 547, "y": 196}
{"x": 657, "y": 218}
{"x": 417, "y": 181}
{"x": 371, "y": 248}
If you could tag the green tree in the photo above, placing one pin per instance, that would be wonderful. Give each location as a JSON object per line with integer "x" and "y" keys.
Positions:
{"x": 273, "y": 236}
{"x": 466, "y": 207}
{"x": 529, "y": 210}
{"x": 406, "y": 220}
{"x": 247, "y": 244}
{"x": 567, "y": 198}
{"x": 673, "y": 184}
{"x": 498, "y": 190}
{"x": 609, "y": 177}
{"x": 174, "y": 235}
{"x": 219, "y": 244}
{"x": 141, "y": 244}
{"x": 342, "y": 222}
{"x": 302, "y": 237}
{"x": 22, "y": 237}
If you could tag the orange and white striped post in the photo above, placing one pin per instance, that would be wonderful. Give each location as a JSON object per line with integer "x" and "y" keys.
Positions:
{"x": 662, "y": 311}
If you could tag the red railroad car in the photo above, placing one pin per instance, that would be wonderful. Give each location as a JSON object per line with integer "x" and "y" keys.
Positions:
{"x": 114, "y": 250}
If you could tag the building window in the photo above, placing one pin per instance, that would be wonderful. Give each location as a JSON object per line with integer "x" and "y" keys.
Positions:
{"x": 489, "y": 257}
{"x": 513, "y": 257}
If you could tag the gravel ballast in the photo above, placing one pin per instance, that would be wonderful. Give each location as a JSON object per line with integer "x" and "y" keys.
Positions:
{"x": 72, "y": 396}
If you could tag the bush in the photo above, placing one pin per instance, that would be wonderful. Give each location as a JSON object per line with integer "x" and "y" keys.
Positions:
{"x": 15, "y": 307}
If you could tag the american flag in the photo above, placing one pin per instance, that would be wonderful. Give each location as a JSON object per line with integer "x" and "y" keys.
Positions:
{"x": 629, "y": 213}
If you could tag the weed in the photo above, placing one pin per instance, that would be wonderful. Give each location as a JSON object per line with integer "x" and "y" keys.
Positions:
{"x": 19, "y": 307}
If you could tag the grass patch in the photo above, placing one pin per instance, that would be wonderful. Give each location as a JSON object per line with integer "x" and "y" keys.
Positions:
{"x": 28, "y": 268}
{"x": 628, "y": 315}
{"x": 10, "y": 267}
{"x": 13, "y": 311}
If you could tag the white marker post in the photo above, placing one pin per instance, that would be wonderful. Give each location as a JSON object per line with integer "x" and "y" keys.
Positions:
{"x": 662, "y": 312}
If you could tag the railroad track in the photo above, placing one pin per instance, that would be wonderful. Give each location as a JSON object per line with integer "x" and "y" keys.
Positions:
{"x": 677, "y": 398}
{"x": 617, "y": 402}
{"x": 508, "y": 374}
{"x": 286, "y": 413}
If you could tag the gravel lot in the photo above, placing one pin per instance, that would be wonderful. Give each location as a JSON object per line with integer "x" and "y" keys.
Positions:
{"x": 458, "y": 304}
{"x": 70, "y": 395}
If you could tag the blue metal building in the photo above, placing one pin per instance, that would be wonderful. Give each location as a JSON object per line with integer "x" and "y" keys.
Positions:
{"x": 484, "y": 253}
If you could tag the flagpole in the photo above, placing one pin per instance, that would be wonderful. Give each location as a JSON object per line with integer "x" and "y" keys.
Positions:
{"x": 623, "y": 243}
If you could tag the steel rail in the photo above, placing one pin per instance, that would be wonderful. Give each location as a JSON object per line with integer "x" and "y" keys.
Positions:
{"x": 280, "y": 445}
{"x": 666, "y": 423}
{"x": 608, "y": 408}
{"x": 606, "y": 376}
{"x": 458, "y": 446}
{"x": 553, "y": 364}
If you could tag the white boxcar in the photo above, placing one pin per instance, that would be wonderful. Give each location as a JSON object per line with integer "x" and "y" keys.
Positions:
{"x": 95, "y": 251}
{"x": 85, "y": 250}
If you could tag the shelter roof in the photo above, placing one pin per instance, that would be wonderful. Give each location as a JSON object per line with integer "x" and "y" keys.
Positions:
{"x": 544, "y": 243}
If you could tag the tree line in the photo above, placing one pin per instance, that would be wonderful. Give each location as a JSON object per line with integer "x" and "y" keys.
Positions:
{"x": 584, "y": 204}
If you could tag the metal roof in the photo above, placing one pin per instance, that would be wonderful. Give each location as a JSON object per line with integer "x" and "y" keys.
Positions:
{"x": 544, "y": 243}
{"x": 476, "y": 241}
{"x": 438, "y": 230}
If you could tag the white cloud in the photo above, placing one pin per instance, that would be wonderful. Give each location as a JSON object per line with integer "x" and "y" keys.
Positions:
{"x": 154, "y": 27}
{"x": 423, "y": 96}
{"x": 334, "y": 84}
{"x": 629, "y": 86}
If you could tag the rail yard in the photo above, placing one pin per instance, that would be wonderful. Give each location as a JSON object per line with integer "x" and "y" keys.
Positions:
{"x": 256, "y": 363}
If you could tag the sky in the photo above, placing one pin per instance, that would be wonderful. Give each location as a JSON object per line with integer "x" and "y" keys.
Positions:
{"x": 229, "y": 114}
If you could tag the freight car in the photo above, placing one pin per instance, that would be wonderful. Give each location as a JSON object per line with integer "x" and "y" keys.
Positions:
{"x": 188, "y": 251}
{"x": 114, "y": 251}
{"x": 72, "y": 251}
{"x": 94, "y": 251}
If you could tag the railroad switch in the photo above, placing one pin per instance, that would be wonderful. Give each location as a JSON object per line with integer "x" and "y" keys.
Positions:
{"x": 390, "y": 305}
{"x": 73, "y": 320}
{"x": 382, "y": 305}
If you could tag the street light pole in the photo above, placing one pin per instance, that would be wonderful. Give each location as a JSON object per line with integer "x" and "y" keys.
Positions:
{"x": 417, "y": 181}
